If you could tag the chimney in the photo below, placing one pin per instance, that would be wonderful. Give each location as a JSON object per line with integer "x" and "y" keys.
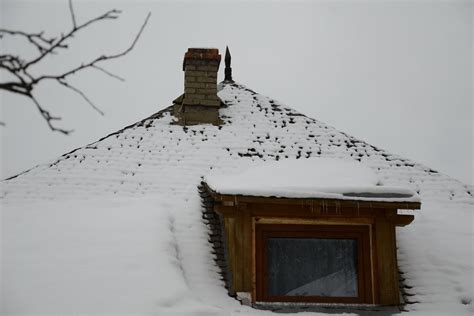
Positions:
{"x": 199, "y": 103}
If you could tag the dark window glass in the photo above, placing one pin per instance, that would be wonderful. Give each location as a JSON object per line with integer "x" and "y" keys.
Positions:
{"x": 312, "y": 267}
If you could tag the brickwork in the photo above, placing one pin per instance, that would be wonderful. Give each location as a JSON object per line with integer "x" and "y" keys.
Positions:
{"x": 196, "y": 114}
{"x": 200, "y": 102}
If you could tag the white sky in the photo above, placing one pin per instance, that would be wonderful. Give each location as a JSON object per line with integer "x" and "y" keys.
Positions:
{"x": 397, "y": 74}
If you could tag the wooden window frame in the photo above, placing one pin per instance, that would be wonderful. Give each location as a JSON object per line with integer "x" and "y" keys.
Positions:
{"x": 361, "y": 233}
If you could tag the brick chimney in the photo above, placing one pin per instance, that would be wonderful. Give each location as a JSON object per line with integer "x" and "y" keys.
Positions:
{"x": 199, "y": 103}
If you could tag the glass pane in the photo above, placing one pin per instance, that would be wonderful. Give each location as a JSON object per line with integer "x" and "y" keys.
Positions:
{"x": 312, "y": 267}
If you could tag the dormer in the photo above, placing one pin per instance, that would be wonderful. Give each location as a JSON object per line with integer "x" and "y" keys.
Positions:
{"x": 308, "y": 231}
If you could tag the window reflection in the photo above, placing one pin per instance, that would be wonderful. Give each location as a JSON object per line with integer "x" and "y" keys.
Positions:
{"x": 312, "y": 267}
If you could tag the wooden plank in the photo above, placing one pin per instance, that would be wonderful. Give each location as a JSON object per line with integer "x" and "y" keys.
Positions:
{"x": 238, "y": 252}
{"x": 366, "y": 253}
{"x": 230, "y": 234}
{"x": 386, "y": 262}
{"x": 318, "y": 221}
{"x": 227, "y": 211}
{"x": 247, "y": 251}
{"x": 401, "y": 220}
{"x": 254, "y": 262}
{"x": 374, "y": 264}
{"x": 320, "y": 202}
{"x": 272, "y": 210}
{"x": 395, "y": 275}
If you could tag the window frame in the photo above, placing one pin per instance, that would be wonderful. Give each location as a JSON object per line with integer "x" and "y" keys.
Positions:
{"x": 361, "y": 233}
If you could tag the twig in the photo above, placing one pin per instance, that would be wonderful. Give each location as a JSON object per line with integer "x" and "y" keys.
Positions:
{"x": 109, "y": 15}
{"x": 82, "y": 94}
{"x": 48, "y": 117}
{"x": 98, "y": 59}
{"x": 73, "y": 16}
{"x": 37, "y": 39}
{"x": 108, "y": 73}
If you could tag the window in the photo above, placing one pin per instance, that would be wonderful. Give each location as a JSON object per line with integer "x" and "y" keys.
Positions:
{"x": 313, "y": 263}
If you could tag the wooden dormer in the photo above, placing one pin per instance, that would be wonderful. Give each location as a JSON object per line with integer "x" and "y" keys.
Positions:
{"x": 312, "y": 249}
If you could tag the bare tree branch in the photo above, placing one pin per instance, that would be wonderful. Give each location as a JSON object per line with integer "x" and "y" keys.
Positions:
{"x": 15, "y": 88}
{"x": 37, "y": 39}
{"x": 99, "y": 59}
{"x": 48, "y": 117}
{"x": 108, "y": 73}
{"x": 69, "y": 86}
{"x": 73, "y": 16}
{"x": 25, "y": 82}
{"x": 59, "y": 43}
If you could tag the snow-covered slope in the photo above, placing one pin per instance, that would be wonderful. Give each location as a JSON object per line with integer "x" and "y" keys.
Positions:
{"x": 102, "y": 188}
{"x": 156, "y": 156}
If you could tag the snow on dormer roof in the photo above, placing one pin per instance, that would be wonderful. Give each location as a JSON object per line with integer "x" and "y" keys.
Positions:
{"x": 320, "y": 178}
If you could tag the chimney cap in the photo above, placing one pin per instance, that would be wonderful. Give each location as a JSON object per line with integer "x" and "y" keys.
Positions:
{"x": 208, "y": 54}
{"x": 203, "y": 53}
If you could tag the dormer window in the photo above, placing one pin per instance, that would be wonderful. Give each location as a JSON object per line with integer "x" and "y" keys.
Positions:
{"x": 289, "y": 238}
{"x": 313, "y": 263}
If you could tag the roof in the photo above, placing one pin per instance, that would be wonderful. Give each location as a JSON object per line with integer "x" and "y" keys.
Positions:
{"x": 83, "y": 231}
{"x": 143, "y": 158}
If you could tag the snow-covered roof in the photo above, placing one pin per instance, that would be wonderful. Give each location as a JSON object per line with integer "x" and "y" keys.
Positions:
{"x": 320, "y": 178}
{"x": 148, "y": 157}
{"x": 82, "y": 233}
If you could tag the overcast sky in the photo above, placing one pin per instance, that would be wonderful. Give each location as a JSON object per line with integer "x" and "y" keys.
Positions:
{"x": 397, "y": 74}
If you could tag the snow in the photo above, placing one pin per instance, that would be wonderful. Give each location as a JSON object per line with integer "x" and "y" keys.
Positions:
{"x": 436, "y": 254}
{"x": 115, "y": 227}
{"x": 146, "y": 257}
{"x": 101, "y": 257}
{"x": 309, "y": 178}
